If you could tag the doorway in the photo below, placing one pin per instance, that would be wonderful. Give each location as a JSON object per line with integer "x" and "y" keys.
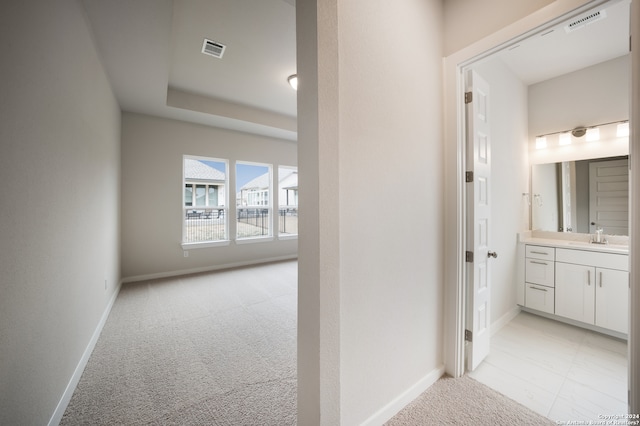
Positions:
{"x": 479, "y": 63}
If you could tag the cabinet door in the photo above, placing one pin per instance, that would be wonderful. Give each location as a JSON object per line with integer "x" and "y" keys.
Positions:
{"x": 612, "y": 299}
{"x": 575, "y": 292}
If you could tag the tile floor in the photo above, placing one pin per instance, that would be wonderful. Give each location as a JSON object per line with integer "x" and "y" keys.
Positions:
{"x": 558, "y": 370}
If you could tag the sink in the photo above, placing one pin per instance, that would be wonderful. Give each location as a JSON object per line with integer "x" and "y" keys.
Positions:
{"x": 604, "y": 247}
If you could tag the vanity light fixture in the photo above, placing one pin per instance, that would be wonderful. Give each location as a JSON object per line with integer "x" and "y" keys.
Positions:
{"x": 564, "y": 139}
{"x": 293, "y": 81}
{"x": 622, "y": 130}
{"x": 593, "y": 134}
{"x": 579, "y": 132}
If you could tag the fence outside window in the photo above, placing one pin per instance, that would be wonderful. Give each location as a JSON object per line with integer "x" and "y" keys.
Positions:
{"x": 205, "y": 224}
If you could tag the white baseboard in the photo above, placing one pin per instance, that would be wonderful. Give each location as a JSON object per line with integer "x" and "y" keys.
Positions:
{"x": 504, "y": 320}
{"x": 75, "y": 377}
{"x": 206, "y": 269}
{"x": 385, "y": 413}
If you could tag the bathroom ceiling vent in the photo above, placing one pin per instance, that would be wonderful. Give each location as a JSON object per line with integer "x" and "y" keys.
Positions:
{"x": 213, "y": 48}
{"x": 585, "y": 20}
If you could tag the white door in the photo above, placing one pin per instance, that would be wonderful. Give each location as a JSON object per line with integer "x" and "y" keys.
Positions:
{"x": 609, "y": 196}
{"x": 478, "y": 219}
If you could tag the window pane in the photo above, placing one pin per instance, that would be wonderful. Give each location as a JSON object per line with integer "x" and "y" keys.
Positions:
{"x": 253, "y": 201}
{"x": 200, "y": 195}
{"x": 205, "y": 213}
{"x": 188, "y": 195}
{"x": 213, "y": 196}
{"x": 288, "y": 200}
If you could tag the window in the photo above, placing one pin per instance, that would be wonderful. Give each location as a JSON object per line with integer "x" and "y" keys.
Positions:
{"x": 253, "y": 200}
{"x": 205, "y": 211}
{"x": 287, "y": 201}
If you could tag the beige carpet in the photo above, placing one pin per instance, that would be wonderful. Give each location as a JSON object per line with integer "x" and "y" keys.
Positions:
{"x": 207, "y": 349}
{"x": 465, "y": 401}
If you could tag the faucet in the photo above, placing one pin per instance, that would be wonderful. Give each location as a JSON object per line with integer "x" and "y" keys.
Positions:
{"x": 598, "y": 237}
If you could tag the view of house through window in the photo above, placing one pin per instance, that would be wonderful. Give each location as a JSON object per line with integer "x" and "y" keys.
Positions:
{"x": 206, "y": 200}
{"x": 253, "y": 200}
{"x": 287, "y": 200}
{"x": 205, "y": 195}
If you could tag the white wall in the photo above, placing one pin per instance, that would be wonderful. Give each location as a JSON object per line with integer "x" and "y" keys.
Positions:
{"x": 634, "y": 249}
{"x": 544, "y": 197}
{"x": 152, "y": 150}
{"x": 469, "y": 21}
{"x": 371, "y": 269}
{"x": 59, "y": 215}
{"x": 509, "y": 179}
{"x": 595, "y": 95}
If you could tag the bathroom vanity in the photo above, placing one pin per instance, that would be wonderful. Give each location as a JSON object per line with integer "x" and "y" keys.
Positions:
{"x": 575, "y": 281}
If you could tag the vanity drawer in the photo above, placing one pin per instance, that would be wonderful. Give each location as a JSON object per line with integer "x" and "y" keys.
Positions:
{"x": 540, "y": 252}
{"x": 540, "y": 298}
{"x": 538, "y": 271}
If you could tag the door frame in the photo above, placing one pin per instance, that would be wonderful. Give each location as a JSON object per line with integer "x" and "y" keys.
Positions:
{"x": 454, "y": 67}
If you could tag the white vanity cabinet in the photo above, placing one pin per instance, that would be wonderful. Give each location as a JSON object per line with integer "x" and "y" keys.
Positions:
{"x": 588, "y": 286}
{"x": 593, "y": 287}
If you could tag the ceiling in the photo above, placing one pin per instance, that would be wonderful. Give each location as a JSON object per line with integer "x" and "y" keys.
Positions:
{"x": 151, "y": 50}
{"x": 554, "y": 51}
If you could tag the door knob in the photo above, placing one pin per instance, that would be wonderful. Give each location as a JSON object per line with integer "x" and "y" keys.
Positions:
{"x": 492, "y": 254}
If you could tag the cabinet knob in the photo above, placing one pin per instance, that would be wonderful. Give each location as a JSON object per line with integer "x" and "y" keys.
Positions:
{"x": 492, "y": 254}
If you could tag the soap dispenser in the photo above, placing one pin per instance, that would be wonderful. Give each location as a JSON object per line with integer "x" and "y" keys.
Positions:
{"x": 599, "y": 235}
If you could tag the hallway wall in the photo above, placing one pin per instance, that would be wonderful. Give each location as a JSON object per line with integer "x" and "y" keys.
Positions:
{"x": 370, "y": 255}
{"x": 60, "y": 174}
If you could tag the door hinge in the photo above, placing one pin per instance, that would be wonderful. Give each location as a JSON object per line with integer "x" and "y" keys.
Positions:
{"x": 468, "y": 177}
{"x": 468, "y": 97}
{"x": 468, "y": 336}
{"x": 468, "y": 256}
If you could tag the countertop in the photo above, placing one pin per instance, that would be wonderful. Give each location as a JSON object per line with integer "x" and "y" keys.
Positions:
{"x": 617, "y": 245}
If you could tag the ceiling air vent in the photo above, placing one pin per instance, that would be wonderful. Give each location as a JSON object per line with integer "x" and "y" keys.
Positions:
{"x": 213, "y": 48}
{"x": 585, "y": 20}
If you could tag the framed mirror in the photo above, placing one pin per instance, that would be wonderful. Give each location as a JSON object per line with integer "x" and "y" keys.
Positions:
{"x": 579, "y": 196}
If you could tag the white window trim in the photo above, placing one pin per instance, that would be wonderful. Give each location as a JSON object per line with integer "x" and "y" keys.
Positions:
{"x": 269, "y": 206}
{"x": 288, "y": 236}
{"x": 283, "y": 236}
{"x": 252, "y": 240}
{"x": 227, "y": 207}
{"x": 204, "y": 244}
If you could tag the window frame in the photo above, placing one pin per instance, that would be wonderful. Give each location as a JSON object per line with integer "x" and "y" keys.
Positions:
{"x": 226, "y": 208}
{"x": 269, "y": 204}
{"x": 281, "y": 235}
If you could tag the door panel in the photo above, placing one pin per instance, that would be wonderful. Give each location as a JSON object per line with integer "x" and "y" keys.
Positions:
{"x": 478, "y": 219}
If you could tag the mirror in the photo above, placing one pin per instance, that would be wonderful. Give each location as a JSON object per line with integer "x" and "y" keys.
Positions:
{"x": 579, "y": 196}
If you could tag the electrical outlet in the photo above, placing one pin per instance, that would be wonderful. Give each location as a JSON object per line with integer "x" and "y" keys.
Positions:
{"x": 186, "y": 253}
